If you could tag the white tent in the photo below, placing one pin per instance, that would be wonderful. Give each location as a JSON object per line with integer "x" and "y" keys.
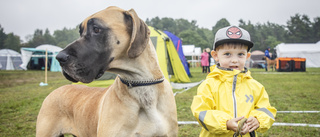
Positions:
{"x": 310, "y": 51}
{"x": 193, "y": 52}
{"x": 39, "y": 52}
{"x": 9, "y": 59}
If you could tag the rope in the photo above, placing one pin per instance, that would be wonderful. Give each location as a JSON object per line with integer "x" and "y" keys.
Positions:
{"x": 240, "y": 125}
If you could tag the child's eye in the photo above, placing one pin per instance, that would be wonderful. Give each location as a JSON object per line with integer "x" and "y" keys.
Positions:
{"x": 227, "y": 54}
{"x": 241, "y": 54}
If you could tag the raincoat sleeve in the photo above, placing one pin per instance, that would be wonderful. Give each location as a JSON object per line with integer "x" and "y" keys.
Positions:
{"x": 204, "y": 110}
{"x": 263, "y": 111}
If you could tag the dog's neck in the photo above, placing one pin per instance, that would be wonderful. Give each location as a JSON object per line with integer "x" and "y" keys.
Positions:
{"x": 144, "y": 67}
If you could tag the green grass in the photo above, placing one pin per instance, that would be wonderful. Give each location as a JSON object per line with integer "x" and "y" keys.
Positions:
{"x": 21, "y": 98}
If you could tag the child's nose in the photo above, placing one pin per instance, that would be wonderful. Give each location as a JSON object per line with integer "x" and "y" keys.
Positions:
{"x": 234, "y": 60}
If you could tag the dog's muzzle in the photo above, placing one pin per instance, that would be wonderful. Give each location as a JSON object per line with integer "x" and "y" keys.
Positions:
{"x": 62, "y": 57}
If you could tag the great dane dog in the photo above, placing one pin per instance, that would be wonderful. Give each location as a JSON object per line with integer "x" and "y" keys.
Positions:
{"x": 140, "y": 102}
{"x": 271, "y": 63}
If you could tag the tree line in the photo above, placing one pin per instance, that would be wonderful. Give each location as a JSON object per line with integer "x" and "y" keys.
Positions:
{"x": 299, "y": 29}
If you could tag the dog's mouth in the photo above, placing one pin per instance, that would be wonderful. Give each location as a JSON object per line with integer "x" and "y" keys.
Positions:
{"x": 67, "y": 76}
{"x": 99, "y": 75}
{"x": 83, "y": 73}
{"x": 75, "y": 79}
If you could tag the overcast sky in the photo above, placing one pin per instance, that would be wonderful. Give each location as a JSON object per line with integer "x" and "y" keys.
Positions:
{"x": 23, "y": 17}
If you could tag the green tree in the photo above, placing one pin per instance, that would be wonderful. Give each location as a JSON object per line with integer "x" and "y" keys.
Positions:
{"x": 264, "y": 35}
{"x": 316, "y": 29}
{"x": 299, "y": 27}
{"x": 40, "y": 38}
{"x": 272, "y": 42}
{"x": 175, "y": 26}
{"x": 190, "y": 37}
{"x": 48, "y": 38}
{"x": 168, "y": 24}
{"x": 220, "y": 24}
{"x": 155, "y": 22}
{"x": 186, "y": 30}
{"x": 210, "y": 37}
{"x": 278, "y": 31}
{"x": 256, "y": 37}
{"x": 66, "y": 36}
{"x": 3, "y": 37}
{"x": 12, "y": 42}
{"x": 37, "y": 39}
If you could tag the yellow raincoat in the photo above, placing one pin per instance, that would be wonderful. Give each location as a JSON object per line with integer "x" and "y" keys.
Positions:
{"x": 227, "y": 94}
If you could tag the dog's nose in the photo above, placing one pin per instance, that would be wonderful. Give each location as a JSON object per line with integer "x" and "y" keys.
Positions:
{"x": 62, "y": 57}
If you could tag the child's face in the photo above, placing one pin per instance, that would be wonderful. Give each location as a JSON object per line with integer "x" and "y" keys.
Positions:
{"x": 234, "y": 58}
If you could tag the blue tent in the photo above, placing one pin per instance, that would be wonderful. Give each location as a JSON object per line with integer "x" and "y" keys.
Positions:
{"x": 178, "y": 45}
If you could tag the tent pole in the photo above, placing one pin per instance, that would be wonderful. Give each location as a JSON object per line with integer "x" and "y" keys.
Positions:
{"x": 45, "y": 71}
{"x": 46, "y": 68}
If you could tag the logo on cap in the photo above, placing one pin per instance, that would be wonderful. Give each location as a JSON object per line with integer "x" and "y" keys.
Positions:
{"x": 234, "y": 33}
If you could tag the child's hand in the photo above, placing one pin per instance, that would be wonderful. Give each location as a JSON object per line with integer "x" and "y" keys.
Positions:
{"x": 245, "y": 129}
{"x": 252, "y": 123}
{"x": 232, "y": 124}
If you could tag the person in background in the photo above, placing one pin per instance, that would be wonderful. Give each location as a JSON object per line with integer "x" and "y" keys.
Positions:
{"x": 229, "y": 93}
{"x": 204, "y": 61}
{"x": 209, "y": 59}
{"x": 267, "y": 55}
{"x": 274, "y": 55}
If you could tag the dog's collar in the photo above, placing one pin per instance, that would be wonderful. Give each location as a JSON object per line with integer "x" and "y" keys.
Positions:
{"x": 135, "y": 83}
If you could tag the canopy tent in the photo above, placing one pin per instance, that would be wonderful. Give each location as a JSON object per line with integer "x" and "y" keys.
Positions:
{"x": 191, "y": 50}
{"x": 34, "y": 58}
{"x": 9, "y": 59}
{"x": 310, "y": 51}
{"x": 168, "y": 57}
{"x": 257, "y": 52}
{"x": 193, "y": 53}
{"x": 257, "y": 58}
{"x": 178, "y": 45}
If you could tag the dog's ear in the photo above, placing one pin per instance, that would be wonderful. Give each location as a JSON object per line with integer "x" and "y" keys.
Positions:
{"x": 139, "y": 37}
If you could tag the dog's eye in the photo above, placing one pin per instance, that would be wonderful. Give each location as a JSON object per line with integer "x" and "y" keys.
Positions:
{"x": 96, "y": 30}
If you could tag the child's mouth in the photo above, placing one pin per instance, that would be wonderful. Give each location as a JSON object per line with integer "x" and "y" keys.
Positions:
{"x": 234, "y": 67}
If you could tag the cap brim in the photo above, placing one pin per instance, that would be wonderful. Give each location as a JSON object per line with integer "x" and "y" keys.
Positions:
{"x": 245, "y": 42}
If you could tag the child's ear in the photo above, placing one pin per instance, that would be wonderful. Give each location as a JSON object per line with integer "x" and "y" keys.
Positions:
{"x": 248, "y": 55}
{"x": 214, "y": 55}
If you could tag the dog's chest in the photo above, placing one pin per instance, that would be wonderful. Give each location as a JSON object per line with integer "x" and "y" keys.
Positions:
{"x": 151, "y": 121}
{"x": 146, "y": 97}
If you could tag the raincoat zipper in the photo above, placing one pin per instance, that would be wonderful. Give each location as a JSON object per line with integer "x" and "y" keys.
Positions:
{"x": 234, "y": 84}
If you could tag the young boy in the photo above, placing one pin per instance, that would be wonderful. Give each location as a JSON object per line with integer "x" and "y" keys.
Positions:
{"x": 229, "y": 93}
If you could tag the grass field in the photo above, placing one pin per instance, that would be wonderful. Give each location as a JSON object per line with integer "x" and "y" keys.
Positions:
{"x": 21, "y": 98}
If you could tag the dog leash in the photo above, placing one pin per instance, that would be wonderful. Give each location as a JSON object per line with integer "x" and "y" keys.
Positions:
{"x": 240, "y": 125}
{"x": 135, "y": 83}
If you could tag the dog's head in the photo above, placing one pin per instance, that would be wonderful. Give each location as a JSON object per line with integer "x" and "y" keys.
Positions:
{"x": 106, "y": 38}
